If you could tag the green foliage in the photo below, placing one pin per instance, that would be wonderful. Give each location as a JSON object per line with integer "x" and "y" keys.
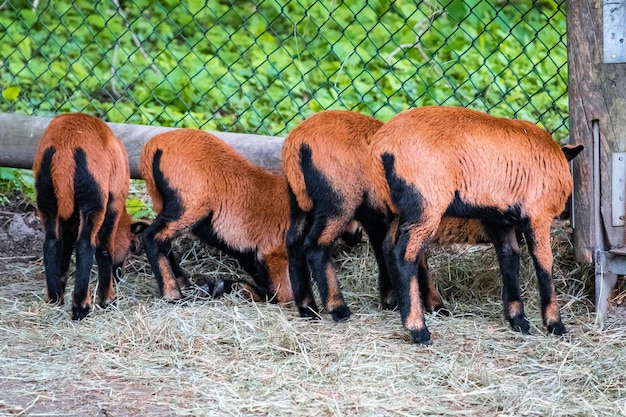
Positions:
{"x": 135, "y": 205}
{"x": 261, "y": 67}
{"x": 16, "y": 180}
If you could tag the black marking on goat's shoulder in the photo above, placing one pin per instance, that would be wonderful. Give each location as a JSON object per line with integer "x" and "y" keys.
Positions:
{"x": 87, "y": 196}
{"x": 172, "y": 203}
{"x": 327, "y": 200}
{"x": 46, "y": 198}
{"x": 460, "y": 208}
{"x": 406, "y": 197}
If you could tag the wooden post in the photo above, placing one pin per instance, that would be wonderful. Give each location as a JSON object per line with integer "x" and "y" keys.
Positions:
{"x": 597, "y": 94}
{"x": 597, "y": 119}
{"x": 20, "y": 134}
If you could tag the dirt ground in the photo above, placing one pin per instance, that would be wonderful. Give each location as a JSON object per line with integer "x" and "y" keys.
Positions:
{"x": 21, "y": 234}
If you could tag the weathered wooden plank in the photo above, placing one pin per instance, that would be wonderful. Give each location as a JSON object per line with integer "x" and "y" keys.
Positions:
{"x": 20, "y": 134}
{"x": 596, "y": 93}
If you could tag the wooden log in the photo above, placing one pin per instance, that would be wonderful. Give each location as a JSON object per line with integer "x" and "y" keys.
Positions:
{"x": 20, "y": 134}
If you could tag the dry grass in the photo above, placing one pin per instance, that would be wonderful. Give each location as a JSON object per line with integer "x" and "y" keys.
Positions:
{"x": 230, "y": 356}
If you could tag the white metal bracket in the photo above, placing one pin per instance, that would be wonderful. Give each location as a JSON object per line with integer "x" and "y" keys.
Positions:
{"x": 618, "y": 188}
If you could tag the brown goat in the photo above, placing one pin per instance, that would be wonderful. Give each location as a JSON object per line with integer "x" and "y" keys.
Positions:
{"x": 82, "y": 178}
{"x": 510, "y": 174}
{"x": 198, "y": 183}
{"x": 324, "y": 161}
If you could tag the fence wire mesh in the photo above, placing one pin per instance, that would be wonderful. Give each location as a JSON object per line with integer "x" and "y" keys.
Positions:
{"x": 262, "y": 66}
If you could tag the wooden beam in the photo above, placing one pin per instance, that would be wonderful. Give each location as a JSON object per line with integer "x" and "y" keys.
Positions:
{"x": 596, "y": 96}
{"x": 580, "y": 72}
{"x": 20, "y": 134}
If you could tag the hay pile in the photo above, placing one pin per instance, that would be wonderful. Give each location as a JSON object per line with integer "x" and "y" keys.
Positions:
{"x": 231, "y": 356}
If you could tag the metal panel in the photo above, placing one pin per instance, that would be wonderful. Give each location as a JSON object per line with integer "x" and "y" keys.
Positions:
{"x": 614, "y": 31}
{"x": 618, "y": 189}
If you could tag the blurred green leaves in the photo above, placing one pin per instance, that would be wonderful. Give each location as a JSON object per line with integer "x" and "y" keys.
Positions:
{"x": 262, "y": 66}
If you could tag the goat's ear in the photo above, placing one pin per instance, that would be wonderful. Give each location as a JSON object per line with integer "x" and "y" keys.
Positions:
{"x": 139, "y": 227}
{"x": 571, "y": 151}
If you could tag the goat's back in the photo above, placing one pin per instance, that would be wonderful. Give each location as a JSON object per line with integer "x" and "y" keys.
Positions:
{"x": 211, "y": 177}
{"x": 106, "y": 158}
{"x": 484, "y": 160}
{"x": 338, "y": 144}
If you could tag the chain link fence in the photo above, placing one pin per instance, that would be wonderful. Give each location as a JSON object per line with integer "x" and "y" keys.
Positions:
{"x": 262, "y": 66}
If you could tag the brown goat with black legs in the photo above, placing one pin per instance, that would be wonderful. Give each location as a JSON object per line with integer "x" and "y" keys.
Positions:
{"x": 510, "y": 174}
{"x": 198, "y": 183}
{"x": 82, "y": 178}
{"x": 324, "y": 159}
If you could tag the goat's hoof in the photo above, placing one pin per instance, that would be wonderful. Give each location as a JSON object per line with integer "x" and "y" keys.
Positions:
{"x": 520, "y": 324}
{"x": 79, "y": 313}
{"x": 557, "y": 329}
{"x": 341, "y": 313}
{"x": 422, "y": 337}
